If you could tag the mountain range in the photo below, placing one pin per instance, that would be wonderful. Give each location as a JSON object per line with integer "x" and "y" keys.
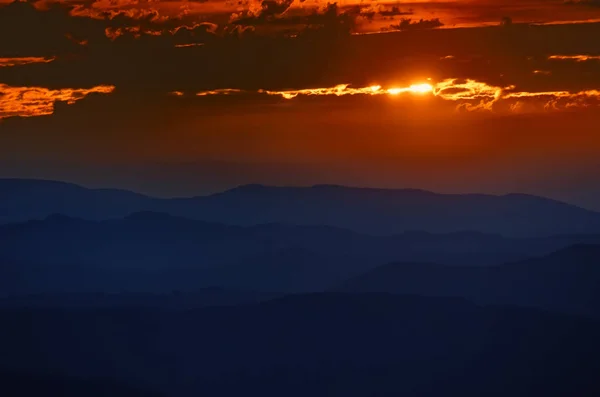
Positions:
{"x": 156, "y": 252}
{"x": 318, "y": 344}
{"x": 365, "y": 210}
{"x": 42, "y": 384}
{"x": 320, "y": 291}
{"x": 564, "y": 281}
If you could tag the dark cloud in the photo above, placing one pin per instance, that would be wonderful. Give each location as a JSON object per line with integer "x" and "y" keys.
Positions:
{"x": 26, "y": 32}
{"x": 409, "y": 24}
{"x": 591, "y": 3}
{"x": 393, "y": 11}
{"x": 153, "y": 56}
{"x": 348, "y": 17}
{"x": 275, "y": 7}
{"x": 331, "y": 18}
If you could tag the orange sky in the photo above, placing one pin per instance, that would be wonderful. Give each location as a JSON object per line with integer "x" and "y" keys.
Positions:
{"x": 452, "y": 13}
{"x": 136, "y": 101}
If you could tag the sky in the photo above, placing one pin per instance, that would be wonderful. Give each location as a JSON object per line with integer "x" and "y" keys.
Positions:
{"x": 178, "y": 98}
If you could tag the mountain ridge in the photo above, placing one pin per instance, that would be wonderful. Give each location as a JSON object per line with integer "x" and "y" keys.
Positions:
{"x": 160, "y": 252}
{"x": 364, "y": 210}
{"x": 377, "y": 344}
{"x": 563, "y": 281}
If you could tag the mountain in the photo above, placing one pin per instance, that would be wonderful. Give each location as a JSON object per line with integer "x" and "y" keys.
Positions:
{"x": 157, "y": 252}
{"x": 565, "y": 281}
{"x": 23, "y": 384}
{"x": 176, "y": 300}
{"x": 319, "y": 344}
{"x": 373, "y": 211}
{"x": 387, "y": 211}
{"x": 25, "y": 199}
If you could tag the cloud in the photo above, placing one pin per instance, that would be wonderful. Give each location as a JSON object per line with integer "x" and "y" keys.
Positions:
{"x": 372, "y": 15}
{"x": 220, "y": 91}
{"x": 330, "y": 17}
{"x": 38, "y": 101}
{"x": 8, "y": 62}
{"x": 154, "y": 56}
{"x": 262, "y": 13}
{"x": 469, "y": 95}
{"x": 275, "y": 7}
{"x": 392, "y": 11}
{"x": 456, "y": 90}
{"x": 576, "y": 58}
{"x": 590, "y": 3}
{"x": 26, "y": 32}
{"x": 409, "y": 24}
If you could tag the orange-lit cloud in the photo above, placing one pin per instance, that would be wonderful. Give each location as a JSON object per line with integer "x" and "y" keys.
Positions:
{"x": 220, "y": 91}
{"x": 470, "y": 95}
{"x": 488, "y": 96}
{"x": 372, "y": 16}
{"x": 345, "y": 89}
{"x": 576, "y": 58}
{"x": 454, "y": 90}
{"x": 38, "y": 101}
{"x": 448, "y": 89}
{"x": 338, "y": 90}
{"x": 189, "y": 45}
{"x": 134, "y": 31}
{"x": 7, "y": 62}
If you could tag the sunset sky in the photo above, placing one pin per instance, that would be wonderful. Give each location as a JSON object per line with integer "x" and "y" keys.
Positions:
{"x": 192, "y": 97}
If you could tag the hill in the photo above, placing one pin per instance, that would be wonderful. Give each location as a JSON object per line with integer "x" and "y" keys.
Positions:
{"x": 318, "y": 344}
{"x": 156, "y": 252}
{"x": 373, "y": 211}
{"x": 25, "y": 199}
{"x": 566, "y": 280}
{"x": 23, "y": 384}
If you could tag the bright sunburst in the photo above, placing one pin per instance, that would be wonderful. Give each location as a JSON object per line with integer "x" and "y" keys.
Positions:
{"x": 421, "y": 88}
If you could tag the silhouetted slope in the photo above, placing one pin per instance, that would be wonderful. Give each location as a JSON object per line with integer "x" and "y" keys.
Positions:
{"x": 376, "y": 211}
{"x": 17, "y": 384}
{"x": 291, "y": 270}
{"x": 566, "y": 280}
{"x": 320, "y": 345}
{"x": 24, "y": 199}
{"x": 149, "y": 251}
{"x": 178, "y": 300}
{"x": 387, "y": 211}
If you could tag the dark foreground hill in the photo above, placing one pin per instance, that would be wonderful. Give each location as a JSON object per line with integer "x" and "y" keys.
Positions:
{"x": 175, "y": 300}
{"x": 318, "y": 345}
{"x": 566, "y": 280}
{"x": 156, "y": 252}
{"x": 376, "y": 211}
{"x": 18, "y": 384}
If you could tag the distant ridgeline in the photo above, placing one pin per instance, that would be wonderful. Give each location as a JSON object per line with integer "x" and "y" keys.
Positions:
{"x": 373, "y": 211}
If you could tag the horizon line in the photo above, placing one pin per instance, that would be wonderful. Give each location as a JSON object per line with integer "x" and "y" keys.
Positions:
{"x": 297, "y": 186}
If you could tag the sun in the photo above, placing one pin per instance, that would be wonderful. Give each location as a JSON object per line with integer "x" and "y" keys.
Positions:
{"x": 421, "y": 88}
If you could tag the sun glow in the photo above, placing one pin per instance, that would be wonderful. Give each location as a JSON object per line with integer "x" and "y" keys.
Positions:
{"x": 421, "y": 88}
{"x": 468, "y": 94}
{"x": 413, "y": 89}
